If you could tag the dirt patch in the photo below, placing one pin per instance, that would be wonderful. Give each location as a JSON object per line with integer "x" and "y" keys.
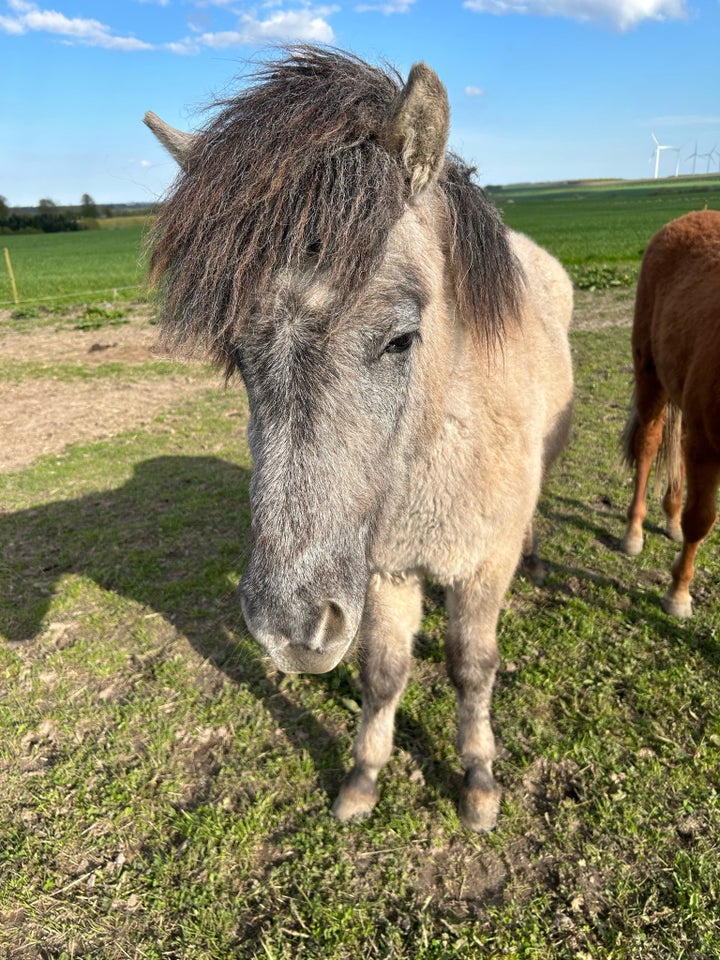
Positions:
{"x": 598, "y": 309}
{"x": 42, "y": 415}
{"x": 135, "y": 340}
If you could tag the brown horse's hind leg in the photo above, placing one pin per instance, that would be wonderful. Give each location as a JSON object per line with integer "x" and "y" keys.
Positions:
{"x": 393, "y": 611}
{"x": 643, "y": 447}
{"x": 472, "y": 659}
{"x": 698, "y": 517}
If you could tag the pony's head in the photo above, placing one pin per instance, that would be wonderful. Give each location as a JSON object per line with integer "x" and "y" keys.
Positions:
{"x": 320, "y": 242}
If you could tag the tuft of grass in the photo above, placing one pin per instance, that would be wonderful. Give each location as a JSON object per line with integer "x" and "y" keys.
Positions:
{"x": 99, "y": 315}
{"x": 602, "y": 276}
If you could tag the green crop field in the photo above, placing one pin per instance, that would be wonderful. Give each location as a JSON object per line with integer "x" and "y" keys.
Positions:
{"x": 597, "y": 230}
{"x": 74, "y": 267}
{"x": 600, "y": 230}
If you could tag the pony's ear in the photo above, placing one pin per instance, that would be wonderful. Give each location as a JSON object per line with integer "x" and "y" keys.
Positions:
{"x": 418, "y": 126}
{"x": 178, "y": 143}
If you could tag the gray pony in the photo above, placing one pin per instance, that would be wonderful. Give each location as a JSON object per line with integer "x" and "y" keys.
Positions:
{"x": 408, "y": 374}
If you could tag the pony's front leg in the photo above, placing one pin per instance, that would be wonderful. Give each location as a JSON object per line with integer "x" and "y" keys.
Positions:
{"x": 472, "y": 659}
{"x": 531, "y": 566}
{"x": 393, "y": 611}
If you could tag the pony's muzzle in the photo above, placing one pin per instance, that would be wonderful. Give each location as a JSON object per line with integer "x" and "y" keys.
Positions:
{"x": 305, "y": 638}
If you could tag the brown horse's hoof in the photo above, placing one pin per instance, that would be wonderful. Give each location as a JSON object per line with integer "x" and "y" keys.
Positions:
{"x": 632, "y": 544}
{"x": 677, "y": 606}
{"x": 357, "y": 797}
{"x": 674, "y": 531}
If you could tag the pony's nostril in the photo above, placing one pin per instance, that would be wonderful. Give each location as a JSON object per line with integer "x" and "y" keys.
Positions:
{"x": 329, "y": 626}
{"x": 336, "y": 621}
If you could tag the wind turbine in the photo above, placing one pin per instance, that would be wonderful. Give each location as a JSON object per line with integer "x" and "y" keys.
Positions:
{"x": 694, "y": 156}
{"x": 658, "y": 148}
{"x": 708, "y": 157}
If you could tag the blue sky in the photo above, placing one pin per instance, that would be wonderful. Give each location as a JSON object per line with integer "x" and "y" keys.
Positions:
{"x": 539, "y": 89}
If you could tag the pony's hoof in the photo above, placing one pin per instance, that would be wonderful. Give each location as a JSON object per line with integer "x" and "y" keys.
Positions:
{"x": 632, "y": 544}
{"x": 674, "y": 532}
{"x": 479, "y": 808}
{"x": 358, "y": 795}
{"x": 677, "y": 606}
{"x": 479, "y": 800}
{"x": 533, "y": 569}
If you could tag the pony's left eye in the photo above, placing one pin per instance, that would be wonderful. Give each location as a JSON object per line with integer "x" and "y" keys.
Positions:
{"x": 401, "y": 343}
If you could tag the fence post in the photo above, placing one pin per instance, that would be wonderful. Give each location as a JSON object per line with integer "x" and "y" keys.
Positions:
{"x": 12, "y": 275}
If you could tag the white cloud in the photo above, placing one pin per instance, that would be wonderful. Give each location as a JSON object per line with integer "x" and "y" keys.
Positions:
{"x": 284, "y": 26}
{"x": 10, "y": 25}
{"x": 30, "y": 18}
{"x": 392, "y": 6}
{"x": 621, "y": 14}
{"x": 307, "y": 24}
{"x": 474, "y": 91}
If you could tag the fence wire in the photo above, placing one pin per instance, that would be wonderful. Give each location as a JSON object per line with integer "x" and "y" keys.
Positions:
{"x": 65, "y": 296}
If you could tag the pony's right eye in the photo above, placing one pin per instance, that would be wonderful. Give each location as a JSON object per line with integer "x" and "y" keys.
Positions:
{"x": 401, "y": 343}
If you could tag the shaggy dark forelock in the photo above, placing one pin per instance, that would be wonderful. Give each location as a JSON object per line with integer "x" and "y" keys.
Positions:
{"x": 292, "y": 171}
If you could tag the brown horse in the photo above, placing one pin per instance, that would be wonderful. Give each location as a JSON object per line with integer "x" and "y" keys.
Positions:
{"x": 676, "y": 406}
{"x": 408, "y": 374}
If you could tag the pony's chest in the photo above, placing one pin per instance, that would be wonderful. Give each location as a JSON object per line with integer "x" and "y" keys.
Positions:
{"x": 474, "y": 486}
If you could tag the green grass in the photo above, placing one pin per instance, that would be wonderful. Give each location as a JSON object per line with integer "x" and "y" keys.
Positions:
{"x": 599, "y": 231}
{"x": 75, "y": 267}
{"x": 166, "y": 792}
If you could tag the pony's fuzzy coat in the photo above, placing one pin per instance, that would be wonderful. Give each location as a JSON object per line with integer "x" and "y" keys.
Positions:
{"x": 408, "y": 374}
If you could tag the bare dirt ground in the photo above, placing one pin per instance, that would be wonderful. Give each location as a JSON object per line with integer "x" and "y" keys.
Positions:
{"x": 43, "y": 414}
{"x": 597, "y": 309}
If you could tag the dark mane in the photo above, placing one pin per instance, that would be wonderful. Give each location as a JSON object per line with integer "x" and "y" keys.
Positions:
{"x": 294, "y": 164}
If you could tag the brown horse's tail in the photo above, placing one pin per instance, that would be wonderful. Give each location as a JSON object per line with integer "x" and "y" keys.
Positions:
{"x": 669, "y": 459}
{"x": 627, "y": 440}
{"x": 669, "y": 462}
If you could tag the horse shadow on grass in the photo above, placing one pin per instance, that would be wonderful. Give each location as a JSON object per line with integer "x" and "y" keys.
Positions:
{"x": 173, "y": 538}
{"x": 640, "y": 606}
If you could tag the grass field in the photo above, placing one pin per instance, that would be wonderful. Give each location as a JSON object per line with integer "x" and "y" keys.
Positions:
{"x": 74, "y": 267}
{"x": 600, "y": 230}
{"x": 166, "y": 793}
{"x": 597, "y": 230}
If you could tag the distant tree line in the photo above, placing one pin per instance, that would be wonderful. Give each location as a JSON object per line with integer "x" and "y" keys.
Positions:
{"x": 48, "y": 217}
